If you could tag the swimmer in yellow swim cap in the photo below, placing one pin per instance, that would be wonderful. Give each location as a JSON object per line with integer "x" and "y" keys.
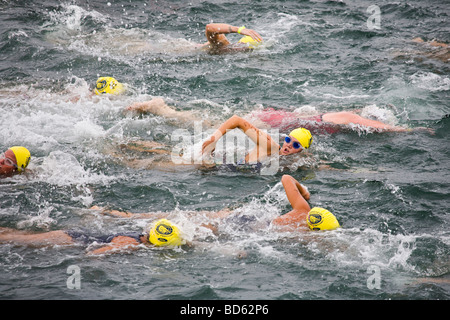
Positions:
{"x": 108, "y": 85}
{"x": 15, "y": 159}
{"x": 302, "y": 135}
{"x": 250, "y": 42}
{"x": 321, "y": 219}
{"x": 301, "y": 214}
{"x": 300, "y": 218}
{"x": 218, "y": 42}
{"x": 164, "y": 233}
{"x": 297, "y": 141}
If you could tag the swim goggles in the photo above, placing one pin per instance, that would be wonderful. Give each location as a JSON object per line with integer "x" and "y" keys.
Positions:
{"x": 8, "y": 161}
{"x": 295, "y": 144}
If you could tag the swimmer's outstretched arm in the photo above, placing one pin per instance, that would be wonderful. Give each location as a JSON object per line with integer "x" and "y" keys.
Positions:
{"x": 126, "y": 214}
{"x": 221, "y": 214}
{"x": 157, "y": 106}
{"x": 118, "y": 244}
{"x": 265, "y": 145}
{"x": 215, "y": 33}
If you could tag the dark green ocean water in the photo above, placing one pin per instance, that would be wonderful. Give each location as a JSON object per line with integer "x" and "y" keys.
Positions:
{"x": 390, "y": 194}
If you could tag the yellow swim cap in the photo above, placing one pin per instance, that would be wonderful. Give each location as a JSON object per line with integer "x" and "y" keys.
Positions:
{"x": 303, "y": 136}
{"x": 23, "y": 157}
{"x": 165, "y": 233}
{"x": 108, "y": 85}
{"x": 321, "y": 219}
{"x": 252, "y": 44}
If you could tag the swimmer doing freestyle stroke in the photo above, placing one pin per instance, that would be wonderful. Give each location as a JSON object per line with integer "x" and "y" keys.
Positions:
{"x": 330, "y": 122}
{"x": 164, "y": 233}
{"x": 13, "y": 161}
{"x": 301, "y": 218}
{"x": 217, "y": 43}
{"x": 300, "y": 127}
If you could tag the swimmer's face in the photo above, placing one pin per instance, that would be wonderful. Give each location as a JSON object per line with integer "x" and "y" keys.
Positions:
{"x": 8, "y": 163}
{"x": 290, "y": 146}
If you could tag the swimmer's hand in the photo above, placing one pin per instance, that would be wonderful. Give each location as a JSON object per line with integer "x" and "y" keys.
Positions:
{"x": 253, "y": 34}
{"x": 207, "y": 143}
{"x": 114, "y": 213}
{"x": 429, "y": 130}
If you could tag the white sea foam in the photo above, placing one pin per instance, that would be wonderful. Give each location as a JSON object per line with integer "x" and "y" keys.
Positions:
{"x": 380, "y": 114}
{"x": 430, "y": 81}
{"x": 72, "y": 16}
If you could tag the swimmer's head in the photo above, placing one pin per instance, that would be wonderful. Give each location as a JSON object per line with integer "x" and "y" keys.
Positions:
{"x": 250, "y": 42}
{"x": 108, "y": 85}
{"x": 303, "y": 136}
{"x": 165, "y": 233}
{"x": 321, "y": 219}
{"x": 23, "y": 157}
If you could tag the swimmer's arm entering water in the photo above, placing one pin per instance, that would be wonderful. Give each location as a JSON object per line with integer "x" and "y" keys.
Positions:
{"x": 215, "y": 34}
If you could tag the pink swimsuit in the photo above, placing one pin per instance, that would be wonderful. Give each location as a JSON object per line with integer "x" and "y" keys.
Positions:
{"x": 288, "y": 120}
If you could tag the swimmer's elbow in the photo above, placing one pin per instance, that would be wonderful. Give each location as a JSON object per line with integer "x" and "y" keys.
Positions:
{"x": 236, "y": 118}
{"x": 234, "y": 121}
{"x": 210, "y": 30}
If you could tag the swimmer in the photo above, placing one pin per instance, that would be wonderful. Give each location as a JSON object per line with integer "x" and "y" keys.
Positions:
{"x": 14, "y": 160}
{"x": 218, "y": 42}
{"x": 439, "y": 50}
{"x": 108, "y": 85}
{"x": 429, "y": 49}
{"x": 158, "y": 106}
{"x": 104, "y": 86}
{"x": 290, "y": 121}
{"x": 329, "y": 122}
{"x": 302, "y": 215}
{"x": 297, "y": 140}
{"x": 163, "y": 233}
{"x": 301, "y": 218}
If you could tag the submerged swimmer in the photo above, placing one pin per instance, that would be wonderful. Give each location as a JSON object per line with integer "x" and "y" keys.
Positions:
{"x": 163, "y": 233}
{"x": 439, "y": 50}
{"x": 433, "y": 49}
{"x": 14, "y": 160}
